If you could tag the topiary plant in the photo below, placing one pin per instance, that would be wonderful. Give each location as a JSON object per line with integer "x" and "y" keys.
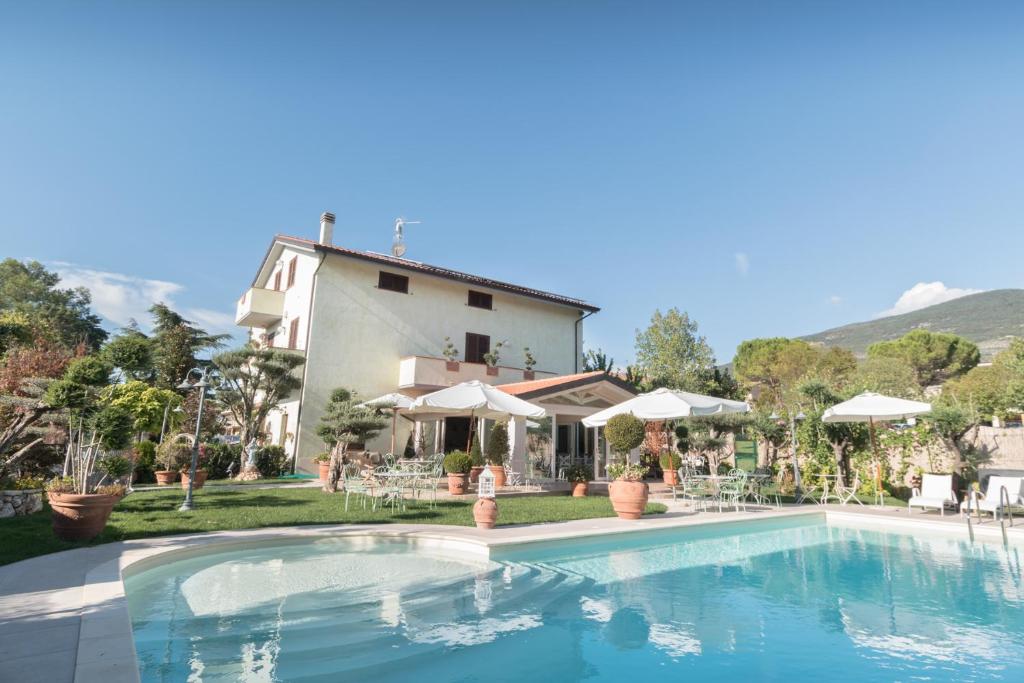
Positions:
{"x": 624, "y": 433}
{"x": 475, "y": 454}
{"x": 173, "y": 454}
{"x": 670, "y": 462}
{"x": 458, "y": 462}
{"x": 497, "y": 445}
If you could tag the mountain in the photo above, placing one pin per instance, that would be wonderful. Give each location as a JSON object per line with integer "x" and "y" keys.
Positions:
{"x": 988, "y": 319}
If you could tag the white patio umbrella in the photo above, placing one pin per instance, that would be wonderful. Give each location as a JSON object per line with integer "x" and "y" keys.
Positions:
{"x": 667, "y": 404}
{"x": 871, "y": 407}
{"x": 472, "y": 398}
{"x": 393, "y": 402}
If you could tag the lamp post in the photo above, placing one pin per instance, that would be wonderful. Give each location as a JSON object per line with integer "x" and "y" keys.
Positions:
{"x": 185, "y": 385}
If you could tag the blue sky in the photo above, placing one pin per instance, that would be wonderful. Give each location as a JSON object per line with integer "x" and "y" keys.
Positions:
{"x": 773, "y": 168}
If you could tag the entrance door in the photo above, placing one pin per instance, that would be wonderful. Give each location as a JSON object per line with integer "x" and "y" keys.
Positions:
{"x": 456, "y": 431}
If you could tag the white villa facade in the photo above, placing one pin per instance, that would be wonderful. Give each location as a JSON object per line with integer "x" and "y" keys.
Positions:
{"x": 376, "y": 324}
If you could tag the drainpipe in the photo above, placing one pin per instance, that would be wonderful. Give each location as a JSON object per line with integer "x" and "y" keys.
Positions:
{"x": 305, "y": 366}
{"x": 576, "y": 351}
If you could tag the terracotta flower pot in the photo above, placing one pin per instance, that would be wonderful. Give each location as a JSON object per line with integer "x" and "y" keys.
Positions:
{"x": 165, "y": 477}
{"x": 670, "y": 477}
{"x": 451, "y": 366}
{"x": 198, "y": 484}
{"x": 579, "y": 489}
{"x": 629, "y": 498}
{"x": 528, "y": 375}
{"x": 325, "y": 471}
{"x": 79, "y": 517}
{"x": 492, "y": 371}
{"x": 457, "y": 484}
{"x": 485, "y": 513}
{"x": 474, "y": 474}
{"x": 499, "y": 475}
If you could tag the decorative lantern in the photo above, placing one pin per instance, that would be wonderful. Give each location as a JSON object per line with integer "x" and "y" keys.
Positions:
{"x": 485, "y": 511}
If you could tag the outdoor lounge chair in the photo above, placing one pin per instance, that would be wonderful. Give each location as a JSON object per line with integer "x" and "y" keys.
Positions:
{"x": 994, "y": 500}
{"x": 936, "y": 492}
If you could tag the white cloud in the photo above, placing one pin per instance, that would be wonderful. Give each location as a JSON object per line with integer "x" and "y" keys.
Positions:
{"x": 120, "y": 298}
{"x": 835, "y": 300}
{"x": 925, "y": 294}
{"x": 742, "y": 263}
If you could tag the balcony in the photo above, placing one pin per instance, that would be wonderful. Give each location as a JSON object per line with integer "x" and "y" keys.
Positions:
{"x": 259, "y": 308}
{"x": 429, "y": 374}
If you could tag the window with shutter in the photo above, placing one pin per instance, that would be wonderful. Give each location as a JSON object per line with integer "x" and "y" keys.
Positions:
{"x": 393, "y": 282}
{"x": 277, "y": 281}
{"x": 293, "y": 334}
{"x": 476, "y": 346}
{"x": 480, "y": 300}
{"x": 284, "y": 429}
{"x": 292, "y": 265}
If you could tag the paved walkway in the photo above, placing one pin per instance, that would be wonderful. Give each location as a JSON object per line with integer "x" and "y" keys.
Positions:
{"x": 64, "y": 618}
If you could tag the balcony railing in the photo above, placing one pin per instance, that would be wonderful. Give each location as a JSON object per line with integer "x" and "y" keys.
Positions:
{"x": 259, "y": 308}
{"x": 426, "y": 372}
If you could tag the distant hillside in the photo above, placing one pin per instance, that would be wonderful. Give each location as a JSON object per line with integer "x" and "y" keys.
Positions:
{"x": 988, "y": 319}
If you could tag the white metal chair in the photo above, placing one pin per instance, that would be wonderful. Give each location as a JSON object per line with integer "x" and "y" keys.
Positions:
{"x": 936, "y": 492}
{"x": 848, "y": 493}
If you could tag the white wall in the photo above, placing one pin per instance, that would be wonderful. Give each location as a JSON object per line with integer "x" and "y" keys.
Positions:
{"x": 361, "y": 333}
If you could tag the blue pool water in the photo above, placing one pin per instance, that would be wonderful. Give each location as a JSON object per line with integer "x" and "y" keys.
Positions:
{"x": 760, "y": 601}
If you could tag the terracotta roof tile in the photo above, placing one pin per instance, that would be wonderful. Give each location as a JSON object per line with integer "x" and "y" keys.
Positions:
{"x": 540, "y": 387}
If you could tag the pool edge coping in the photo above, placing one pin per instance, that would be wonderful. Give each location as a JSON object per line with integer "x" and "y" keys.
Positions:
{"x": 105, "y": 647}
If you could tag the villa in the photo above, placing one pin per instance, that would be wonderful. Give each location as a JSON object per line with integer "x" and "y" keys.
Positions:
{"x": 378, "y": 323}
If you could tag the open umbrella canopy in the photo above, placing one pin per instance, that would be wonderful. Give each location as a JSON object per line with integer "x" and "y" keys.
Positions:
{"x": 869, "y": 406}
{"x": 667, "y": 404}
{"x": 394, "y": 401}
{"x": 472, "y": 398}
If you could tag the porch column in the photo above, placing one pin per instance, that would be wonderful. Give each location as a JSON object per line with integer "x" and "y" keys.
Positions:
{"x": 437, "y": 435}
{"x": 597, "y": 466}
{"x": 554, "y": 446}
{"x": 517, "y": 444}
{"x": 417, "y": 438}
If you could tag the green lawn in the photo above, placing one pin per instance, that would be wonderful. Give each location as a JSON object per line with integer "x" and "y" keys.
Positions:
{"x": 155, "y": 513}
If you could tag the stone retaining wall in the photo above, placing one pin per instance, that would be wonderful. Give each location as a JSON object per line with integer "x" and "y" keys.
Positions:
{"x": 15, "y": 503}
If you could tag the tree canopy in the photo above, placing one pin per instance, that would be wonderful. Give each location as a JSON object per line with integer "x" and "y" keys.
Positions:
{"x": 934, "y": 356}
{"x": 61, "y": 315}
{"x": 176, "y": 343}
{"x": 777, "y": 366}
{"x": 670, "y": 353}
{"x": 346, "y": 422}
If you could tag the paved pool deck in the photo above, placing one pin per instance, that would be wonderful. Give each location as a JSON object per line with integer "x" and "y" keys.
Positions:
{"x": 64, "y": 617}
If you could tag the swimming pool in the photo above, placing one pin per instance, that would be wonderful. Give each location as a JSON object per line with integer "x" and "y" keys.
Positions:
{"x": 754, "y": 601}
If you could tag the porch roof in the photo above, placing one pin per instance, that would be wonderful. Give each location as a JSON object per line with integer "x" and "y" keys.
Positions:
{"x": 543, "y": 388}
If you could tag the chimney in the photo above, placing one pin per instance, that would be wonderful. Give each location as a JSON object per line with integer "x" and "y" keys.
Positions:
{"x": 326, "y": 228}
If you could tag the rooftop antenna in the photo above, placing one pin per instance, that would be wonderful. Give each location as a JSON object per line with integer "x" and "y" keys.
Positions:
{"x": 398, "y": 244}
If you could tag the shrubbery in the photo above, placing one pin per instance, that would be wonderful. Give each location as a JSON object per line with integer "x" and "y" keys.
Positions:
{"x": 271, "y": 461}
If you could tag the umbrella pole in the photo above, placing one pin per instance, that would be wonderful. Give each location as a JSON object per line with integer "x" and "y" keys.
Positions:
{"x": 394, "y": 419}
{"x": 879, "y": 497}
{"x": 469, "y": 439}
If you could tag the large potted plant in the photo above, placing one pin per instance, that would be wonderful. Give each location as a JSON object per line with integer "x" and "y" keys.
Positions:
{"x": 201, "y": 473}
{"x": 323, "y": 463}
{"x": 578, "y": 476}
{"x": 670, "y": 464}
{"x": 628, "y": 491}
{"x": 497, "y": 453}
{"x": 172, "y": 456}
{"x": 451, "y": 355}
{"x": 457, "y": 465}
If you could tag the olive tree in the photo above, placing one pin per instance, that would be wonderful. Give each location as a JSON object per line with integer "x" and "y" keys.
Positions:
{"x": 346, "y": 422}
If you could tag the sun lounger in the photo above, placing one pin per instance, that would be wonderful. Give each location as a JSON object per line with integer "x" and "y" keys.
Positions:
{"x": 936, "y": 492}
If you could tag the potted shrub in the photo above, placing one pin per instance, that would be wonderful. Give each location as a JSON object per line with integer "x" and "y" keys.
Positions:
{"x": 492, "y": 357}
{"x": 457, "y": 465}
{"x": 117, "y": 468}
{"x": 670, "y": 464}
{"x": 323, "y": 462}
{"x": 450, "y": 354}
{"x": 476, "y": 456}
{"x": 528, "y": 362}
{"x": 627, "y": 491}
{"x": 497, "y": 453}
{"x": 201, "y": 473}
{"x": 170, "y": 457}
{"x": 578, "y": 476}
